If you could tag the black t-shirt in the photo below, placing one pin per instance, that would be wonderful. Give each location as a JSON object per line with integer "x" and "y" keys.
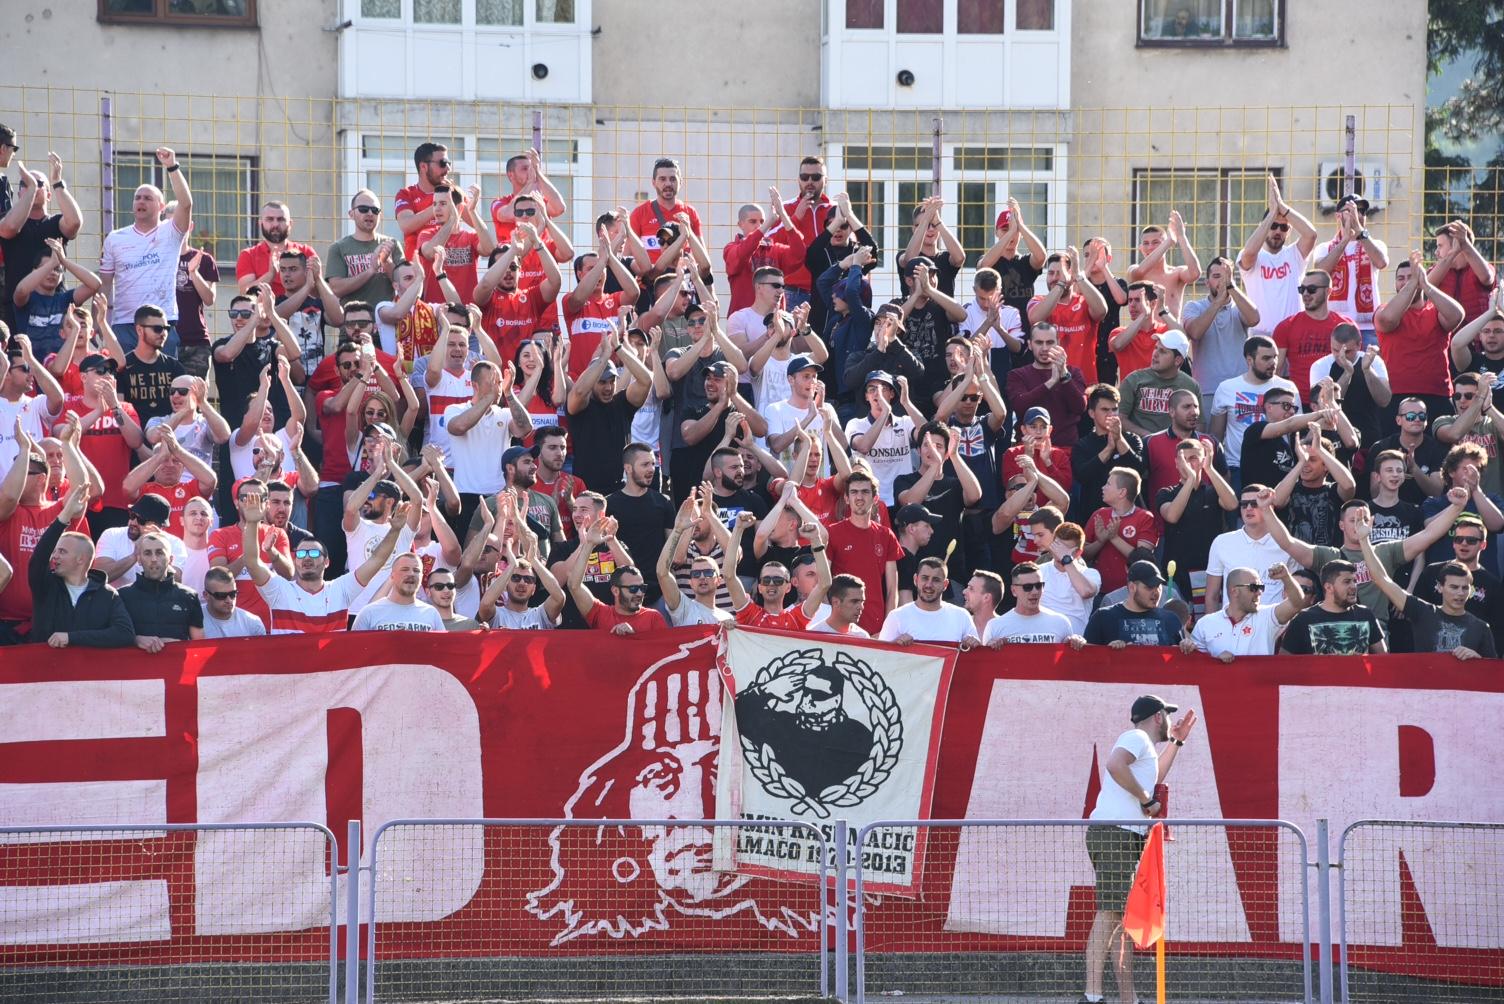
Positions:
{"x": 597, "y": 578}
{"x": 728, "y": 506}
{"x": 978, "y": 448}
{"x": 908, "y": 567}
{"x": 146, "y": 385}
{"x": 643, "y": 524}
{"x": 23, "y": 251}
{"x": 1189, "y": 541}
{"x": 1358, "y": 404}
{"x": 944, "y": 272}
{"x": 1312, "y": 514}
{"x": 944, "y": 500}
{"x": 1437, "y": 631}
{"x": 1428, "y": 457}
{"x": 1480, "y": 362}
{"x": 238, "y": 379}
{"x": 1265, "y": 461}
{"x": 600, "y": 433}
{"x": 1395, "y": 522}
{"x": 1487, "y": 601}
{"x": 1017, "y": 277}
{"x": 926, "y": 331}
{"x": 750, "y": 564}
{"x": 1318, "y": 631}
{"x": 1107, "y": 360}
{"x": 1118, "y": 623}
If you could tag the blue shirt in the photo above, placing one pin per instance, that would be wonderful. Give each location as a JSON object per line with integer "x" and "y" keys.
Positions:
{"x": 42, "y": 320}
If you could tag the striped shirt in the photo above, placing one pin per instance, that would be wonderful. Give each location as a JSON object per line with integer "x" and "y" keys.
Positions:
{"x": 297, "y": 611}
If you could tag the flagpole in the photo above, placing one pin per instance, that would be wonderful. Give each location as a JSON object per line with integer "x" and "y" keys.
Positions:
{"x": 1159, "y": 970}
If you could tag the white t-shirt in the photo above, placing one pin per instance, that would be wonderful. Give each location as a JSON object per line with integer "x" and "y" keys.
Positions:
{"x": 1044, "y": 628}
{"x": 476, "y": 455}
{"x": 1060, "y": 593}
{"x": 892, "y": 454}
{"x": 1235, "y": 549}
{"x": 745, "y": 327}
{"x": 1271, "y": 283}
{"x": 145, "y": 267}
{"x": 950, "y": 624}
{"x": 361, "y": 543}
{"x": 195, "y": 564}
{"x": 782, "y": 417}
{"x": 770, "y": 384}
{"x": 1242, "y": 401}
{"x": 823, "y": 627}
{"x": 31, "y": 410}
{"x": 531, "y": 619}
{"x": 466, "y": 597}
{"x": 238, "y": 625}
{"x": 1253, "y": 635}
{"x": 692, "y": 613}
{"x": 1006, "y": 316}
{"x": 452, "y": 390}
{"x": 243, "y": 463}
{"x": 1113, "y": 800}
{"x": 1322, "y": 368}
{"x": 297, "y": 611}
{"x": 115, "y": 544}
{"x": 390, "y": 615}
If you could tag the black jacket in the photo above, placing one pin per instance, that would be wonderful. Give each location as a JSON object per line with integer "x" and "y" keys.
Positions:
{"x": 99, "y": 620}
{"x": 164, "y": 608}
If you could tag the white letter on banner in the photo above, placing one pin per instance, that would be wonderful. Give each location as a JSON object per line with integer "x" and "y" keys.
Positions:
{"x": 1017, "y": 880}
{"x": 1339, "y": 756}
{"x": 263, "y": 755}
{"x": 94, "y": 911}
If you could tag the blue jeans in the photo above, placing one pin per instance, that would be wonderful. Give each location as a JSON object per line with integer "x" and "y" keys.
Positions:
{"x": 125, "y": 334}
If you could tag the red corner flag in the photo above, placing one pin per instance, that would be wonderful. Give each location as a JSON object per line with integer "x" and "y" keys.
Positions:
{"x": 1144, "y": 913}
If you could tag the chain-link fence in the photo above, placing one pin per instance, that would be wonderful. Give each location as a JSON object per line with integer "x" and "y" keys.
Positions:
{"x": 1422, "y": 911}
{"x": 234, "y": 912}
{"x": 1007, "y": 910}
{"x": 592, "y": 910}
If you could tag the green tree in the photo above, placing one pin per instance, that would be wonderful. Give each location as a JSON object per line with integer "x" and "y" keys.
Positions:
{"x": 1454, "y": 187}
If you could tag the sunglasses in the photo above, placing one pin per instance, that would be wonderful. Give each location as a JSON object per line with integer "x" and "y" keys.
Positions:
{"x": 158, "y": 328}
{"x": 21, "y": 367}
{"x": 357, "y": 325}
{"x": 443, "y": 162}
{"x": 308, "y": 552}
{"x": 1030, "y": 587}
{"x": 703, "y": 573}
{"x": 1303, "y": 289}
{"x": 179, "y": 391}
{"x": 1281, "y": 227}
{"x": 373, "y": 210}
{"x": 810, "y": 177}
{"x": 773, "y": 580}
{"x": 971, "y": 397}
{"x": 228, "y": 594}
{"x": 1413, "y": 416}
{"x": 532, "y": 580}
{"x": 639, "y": 587}
{"x": 1464, "y": 397}
{"x": 432, "y": 586}
{"x": 697, "y": 322}
{"x": 1252, "y": 587}
{"x": 1248, "y": 503}
{"x": 775, "y": 285}
{"x": 524, "y": 212}
{"x": 35, "y": 469}
{"x": 241, "y": 314}
{"x": 1468, "y": 539}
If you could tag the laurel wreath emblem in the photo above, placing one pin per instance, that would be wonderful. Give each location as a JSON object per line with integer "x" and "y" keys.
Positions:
{"x": 887, "y": 737}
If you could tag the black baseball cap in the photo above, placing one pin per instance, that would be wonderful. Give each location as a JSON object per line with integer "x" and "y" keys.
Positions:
{"x": 388, "y": 488}
{"x": 1356, "y": 200}
{"x": 1146, "y": 572}
{"x": 914, "y": 512}
{"x": 1150, "y": 705}
{"x": 96, "y": 362}
{"x": 151, "y": 508}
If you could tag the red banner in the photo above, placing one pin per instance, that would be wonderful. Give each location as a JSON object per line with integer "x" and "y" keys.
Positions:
{"x": 548, "y": 725}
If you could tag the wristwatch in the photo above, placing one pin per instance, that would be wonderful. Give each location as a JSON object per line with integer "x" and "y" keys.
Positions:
{"x": 1177, "y": 742}
{"x": 1068, "y": 559}
{"x": 440, "y": 276}
{"x": 1145, "y": 805}
{"x": 1362, "y": 235}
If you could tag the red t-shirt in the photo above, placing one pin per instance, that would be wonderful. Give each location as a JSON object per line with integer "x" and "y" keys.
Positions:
{"x": 335, "y": 464}
{"x": 1136, "y": 528}
{"x": 788, "y": 619}
{"x": 256, "y": 259}
{"x": 326, "y": 373}
{"x": 227, "y": 543}
{"x": 1139, "y": 352}
{"x": 556, "y": 491}
{"x": 1464, "y": 287}
{"x": 18, "y": 541}
{"x": 461, "y": 252}
{"x": 1305, "y": 340}
{"x": 511, "y": 318}
{"x": 821, "y": 497}
{"x": 106, "y": 449}
{"x": 1058, "y": 467}
{"x": 1416, "y": 354}
{"x": 603, "y": 617}
{"x": 645, "y": 223}
{"x": 865, "y": 553}
{"x": 177, "y": 497}
{"x": 1077, "y": 333}
{"x": 411, "y": 199}
{"x": 808, "y": 227}
{"x": 588, "y": 326}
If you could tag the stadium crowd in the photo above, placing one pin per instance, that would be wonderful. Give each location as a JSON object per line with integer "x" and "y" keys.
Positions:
{"x": 481, "y": 426}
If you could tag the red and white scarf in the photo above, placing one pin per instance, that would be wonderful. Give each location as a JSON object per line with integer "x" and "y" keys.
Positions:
{"x": 1356, "y": 255}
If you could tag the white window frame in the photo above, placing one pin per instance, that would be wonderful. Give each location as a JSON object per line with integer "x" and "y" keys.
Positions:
{"x": 530, "y": 22}
{"x": 897, "y": 228}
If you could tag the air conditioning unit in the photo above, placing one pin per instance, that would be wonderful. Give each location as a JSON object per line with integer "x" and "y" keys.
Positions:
{"x": 1369, "y": 181}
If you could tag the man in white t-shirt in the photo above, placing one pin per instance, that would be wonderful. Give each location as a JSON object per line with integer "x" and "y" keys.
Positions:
{"x": 698, "y": 605}
{"x": 1354, "y": 259}
{"x": 139, "y": 263}
{"x": 1069, "y": 585}
{"x": 989, "y": 316}
{"x": 446, "y": 379}
{"x": 847, "y": 597}
{"x": 115, "y": 551}
{"x": 1028, "y": 623}
{"x": 308, "y": 604}
{"x": 805, "y": 408}
{"x": 1271, "y": 265}
{"x": 479, "y": 433}
{"x": 929, "y": 619}
{"x": 885, "y": 439}
{"x": 400, "y": 609}
{"x": 36, "y": 412}
{"x": 222, "y": 618}
{"x": 507, "y": 603}
{"x": 369, "y": 512}
{"x": 1250, "y": 546}
{"x": 1239, "y": 401}
{"x": 1132, "y": 770}
{"x": 1245, "y": 626}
